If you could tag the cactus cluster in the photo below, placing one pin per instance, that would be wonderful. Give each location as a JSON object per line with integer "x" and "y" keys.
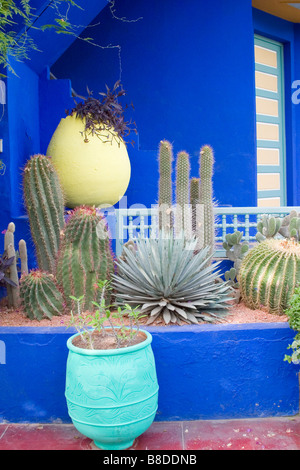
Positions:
{"x": 72, "y": 255}
{"x": 194, "y": 214}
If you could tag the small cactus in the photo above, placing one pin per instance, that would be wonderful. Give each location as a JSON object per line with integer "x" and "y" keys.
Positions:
{"x": 268, "y": 227}
{"x": 40, "y": 295}
{"x": 295, "y": 228}
{"x": 235, "y": 250}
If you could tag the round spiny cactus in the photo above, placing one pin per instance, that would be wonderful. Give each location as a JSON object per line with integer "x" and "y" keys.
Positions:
{"x": 269, "y": 274}
{"x": 40, "y": 295}
{"x": 85, "y": 255}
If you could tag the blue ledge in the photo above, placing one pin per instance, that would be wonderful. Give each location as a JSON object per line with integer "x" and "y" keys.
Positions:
{"x": 204, "y": 372}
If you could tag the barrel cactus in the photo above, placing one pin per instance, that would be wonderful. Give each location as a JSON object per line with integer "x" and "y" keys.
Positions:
{"x": 85, "y": 256}
{"x": 40, "y": 295}
{"x": 45, "y": 207}
{"x": 269, "y": 274}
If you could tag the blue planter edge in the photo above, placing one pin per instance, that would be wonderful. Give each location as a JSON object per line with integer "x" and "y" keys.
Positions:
{"x": 206, "y": 371}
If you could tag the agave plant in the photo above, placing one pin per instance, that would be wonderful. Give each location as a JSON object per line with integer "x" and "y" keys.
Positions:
{"x": 167, "y": 279}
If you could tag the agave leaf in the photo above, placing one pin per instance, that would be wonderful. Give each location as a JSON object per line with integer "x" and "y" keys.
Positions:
{"x": 156, "y": 310}
{"x": 166, "y": 316}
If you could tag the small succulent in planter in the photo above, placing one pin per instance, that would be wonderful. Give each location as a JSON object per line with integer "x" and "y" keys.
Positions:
{"x": 106, "y": 326}
{"x": 111, "y": 387}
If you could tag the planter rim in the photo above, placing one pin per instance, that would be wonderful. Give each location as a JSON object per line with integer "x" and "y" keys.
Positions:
{"x": 109, "y": 352}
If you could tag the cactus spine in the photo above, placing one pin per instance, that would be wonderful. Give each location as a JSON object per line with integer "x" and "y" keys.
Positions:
{"x": 269, "y": 274}
{"x": 206, "y": 195}
{"x": 85, "y": 256}
{"x": 183, "y": 216}
{"x": 45, "y": 207}
{"x": 165, "y": 184}
{"x": 40, "y": 294}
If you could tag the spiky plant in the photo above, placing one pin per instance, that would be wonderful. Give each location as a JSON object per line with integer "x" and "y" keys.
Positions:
{"x": 45, "y": 207}
{"x": 166, "y": 279}
{"x": 85, "y": 255}
{"x": 269, "y": 274}
{"x": 40, "y": 295}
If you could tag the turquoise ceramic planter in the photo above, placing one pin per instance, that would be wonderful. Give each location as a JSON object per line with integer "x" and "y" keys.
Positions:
{"x": 112, "y": 394}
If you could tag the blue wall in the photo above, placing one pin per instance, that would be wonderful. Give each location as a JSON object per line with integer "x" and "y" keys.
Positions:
{"x": 188, "y": 68}
{"x": 204, "y": 372}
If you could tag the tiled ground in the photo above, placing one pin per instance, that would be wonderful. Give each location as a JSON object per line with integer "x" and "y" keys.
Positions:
{"x": 250, "y": 434}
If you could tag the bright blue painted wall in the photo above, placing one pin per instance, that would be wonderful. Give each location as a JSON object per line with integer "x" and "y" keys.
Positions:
{"x": 188, "y": 68}
{"x": 204, "y": 372}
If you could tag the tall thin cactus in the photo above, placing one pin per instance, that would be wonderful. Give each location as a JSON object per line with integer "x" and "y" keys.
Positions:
{"x": 165, "y": 185}
{"x": 45, "y": 207}
{"x": 183, "y": 215}
{"x": 13, "y": 294}
{"x": 206, "y": 195}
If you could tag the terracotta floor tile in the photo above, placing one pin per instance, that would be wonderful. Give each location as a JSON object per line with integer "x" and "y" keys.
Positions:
{"x": 249, "y": 434}
{"x": 160, "y": 436}
{"x": 43, "y": 437}
{"x": 260, "y": 434}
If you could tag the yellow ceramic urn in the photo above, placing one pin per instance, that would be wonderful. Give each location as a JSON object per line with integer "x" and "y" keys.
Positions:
{"x": 91, "y": 171}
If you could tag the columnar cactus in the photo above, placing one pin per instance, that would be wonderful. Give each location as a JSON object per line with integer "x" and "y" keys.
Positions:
{"x": 40, "y": 295}
{"x": 194, "y": 199}
{"x": 9, "y": 247}
{"x": 206, "y": 195}
{"x": 183, "y": 220}
{"x": 165, "y": 184}
{"x": 45, "y": 207}
{"x": 269, "y": 274}
{"x": 23, "y": 256}
{"x": 85, "y": 256}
